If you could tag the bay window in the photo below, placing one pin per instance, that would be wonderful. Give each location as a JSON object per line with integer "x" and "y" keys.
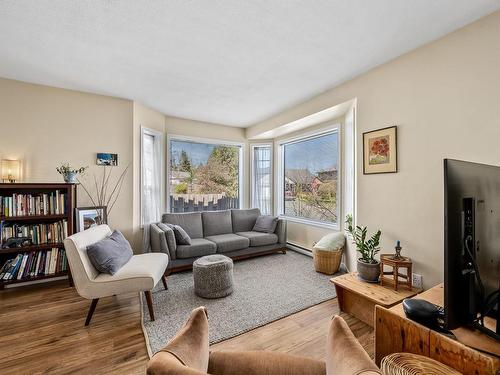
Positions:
{"x": 262, "y": 178}
{"x": 309, "y": 178}
{"x": 204, "y": 175}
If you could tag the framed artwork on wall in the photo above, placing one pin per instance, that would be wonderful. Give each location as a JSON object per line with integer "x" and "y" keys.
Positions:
{"x": 107, "y": 159}
{"x": 380, "y": 153}
{"x": 88, "y": 217}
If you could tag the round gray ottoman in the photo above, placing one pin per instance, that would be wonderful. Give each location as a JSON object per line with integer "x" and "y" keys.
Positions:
{"x": 213, "y": 276}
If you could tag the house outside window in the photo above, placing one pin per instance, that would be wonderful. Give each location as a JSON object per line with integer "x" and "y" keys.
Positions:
{"x": 310, "y": 179}
{"x": 204, "y": 175}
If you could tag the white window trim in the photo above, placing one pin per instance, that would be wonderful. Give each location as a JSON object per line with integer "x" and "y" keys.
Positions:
{"x": 252, "y": 175}
{"x": 159, "y": 136}
{"x": 219, "y": 142}
{"x": 279, "y": 201}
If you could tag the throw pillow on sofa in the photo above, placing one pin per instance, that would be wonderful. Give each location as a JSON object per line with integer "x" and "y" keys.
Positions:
{"x": 110, "y": 254}
{"x": 266, "y": 224}
{"x": 181, "y": 237}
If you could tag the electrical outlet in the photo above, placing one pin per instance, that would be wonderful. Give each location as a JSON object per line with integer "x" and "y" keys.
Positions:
{"x": 416, "y": 280}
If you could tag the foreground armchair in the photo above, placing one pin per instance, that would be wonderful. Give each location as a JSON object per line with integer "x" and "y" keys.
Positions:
{"x": 140, "y": 274}
{"x": 188, "y": 354}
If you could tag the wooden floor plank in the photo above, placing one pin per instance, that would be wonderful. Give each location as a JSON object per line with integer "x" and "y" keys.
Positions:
{"x": 42, "y": 332}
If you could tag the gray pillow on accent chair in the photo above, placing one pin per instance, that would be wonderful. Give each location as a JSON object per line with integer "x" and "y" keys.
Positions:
{"x": 181, "y": 237}
{"x": 266, "y": 224}
{"x": 110, "y": 254}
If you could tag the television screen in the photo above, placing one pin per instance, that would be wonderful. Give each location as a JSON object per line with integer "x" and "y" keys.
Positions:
{"x": 472, "y": 241}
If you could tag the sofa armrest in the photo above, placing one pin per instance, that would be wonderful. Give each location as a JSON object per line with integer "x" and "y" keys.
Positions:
{"x": 280, "y": 231}
{"x": 160, "y": 240}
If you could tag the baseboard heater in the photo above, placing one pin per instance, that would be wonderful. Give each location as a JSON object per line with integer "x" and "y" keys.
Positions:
{"x": 299, "y": 249}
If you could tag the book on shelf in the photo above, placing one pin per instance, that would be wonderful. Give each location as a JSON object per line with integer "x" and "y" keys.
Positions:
{"x": 34, "y": 264}
{"x": 39, "y": 233}
{"x": 53, "y": 203}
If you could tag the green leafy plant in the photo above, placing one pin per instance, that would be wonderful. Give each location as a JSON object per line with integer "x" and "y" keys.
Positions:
{"x": 367, "y": 248}
{"x": 65, "y": 168}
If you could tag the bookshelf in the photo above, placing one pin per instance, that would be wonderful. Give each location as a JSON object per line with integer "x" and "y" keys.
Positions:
{"x": 45, "y": 213}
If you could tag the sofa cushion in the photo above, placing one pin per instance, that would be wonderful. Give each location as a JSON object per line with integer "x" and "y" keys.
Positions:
{"x": 110, "y": 254}
{"x": 198, "y": 248}
{"x": 181, "y": 237}
{"x": 259, "y": 238}
{"x": 169, "y": 237}
{"x": 266, "y": 224}
{"x": 229, "y": 242}
{"x": 190, "y": 222}
{"x": 216, "y": 222}
{"x": 244, "y": 220}
{"x": 142, "y": 272}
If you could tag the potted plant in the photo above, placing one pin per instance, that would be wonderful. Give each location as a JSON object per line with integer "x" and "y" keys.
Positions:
{"x": 69, "y": 173}
{"x": 368, "y": 266}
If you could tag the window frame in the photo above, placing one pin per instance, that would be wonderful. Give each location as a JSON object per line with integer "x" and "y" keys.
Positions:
{"x": 158, "y": 135}
{"x": 252, "y": 174}
{"x": 280, "y": 175}
{"x": 212, "y": 141}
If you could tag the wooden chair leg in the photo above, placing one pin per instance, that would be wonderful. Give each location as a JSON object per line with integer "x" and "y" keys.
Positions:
{"x": 164, "y": 280}
{"x": 91, "y": 311}
{"x": 149, "y": 300}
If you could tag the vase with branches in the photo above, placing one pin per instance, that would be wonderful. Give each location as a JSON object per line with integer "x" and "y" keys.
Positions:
{"x": 69, "y": 173}
{"x": 368, "y": 266}
{"x": 104, "y": 191}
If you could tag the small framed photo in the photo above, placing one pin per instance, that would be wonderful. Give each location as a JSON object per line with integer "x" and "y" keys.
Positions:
{"x": 107, "y": 159}
{"x": 380, "y": 153}
{"x": 88, "y": 217}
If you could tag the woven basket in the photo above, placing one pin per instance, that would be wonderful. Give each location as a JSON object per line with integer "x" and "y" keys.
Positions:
{"x": 327, "y": 261}
{"x": 413, "y": 364}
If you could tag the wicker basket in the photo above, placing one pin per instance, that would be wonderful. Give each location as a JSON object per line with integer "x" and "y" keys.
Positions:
{"x": 413, "y": 364}
{"x": 327, "y": 261}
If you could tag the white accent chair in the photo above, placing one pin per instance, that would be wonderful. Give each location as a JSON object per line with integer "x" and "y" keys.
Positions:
{"x": 140, "y": 274}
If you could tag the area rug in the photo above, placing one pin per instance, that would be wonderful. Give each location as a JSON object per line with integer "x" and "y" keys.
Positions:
{"x": 266, "y": 288}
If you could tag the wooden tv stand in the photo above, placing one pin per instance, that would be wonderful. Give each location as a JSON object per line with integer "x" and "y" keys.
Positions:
{"x": 395, "y": 333}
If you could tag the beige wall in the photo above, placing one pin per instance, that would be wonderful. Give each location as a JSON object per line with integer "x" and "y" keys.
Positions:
{"x": 45, "y": 126}
{"x": 444, "y": 97}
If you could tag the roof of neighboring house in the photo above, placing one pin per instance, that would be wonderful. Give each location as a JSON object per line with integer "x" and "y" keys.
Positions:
{"x": 328, "y": 175}
{"x": 299, "y": 176}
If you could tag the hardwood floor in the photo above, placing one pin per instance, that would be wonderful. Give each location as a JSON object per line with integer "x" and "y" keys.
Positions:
{"x": 42, "y": 331}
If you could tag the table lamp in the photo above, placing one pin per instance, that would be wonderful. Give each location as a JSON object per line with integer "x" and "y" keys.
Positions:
{"x": 10, "y": 170}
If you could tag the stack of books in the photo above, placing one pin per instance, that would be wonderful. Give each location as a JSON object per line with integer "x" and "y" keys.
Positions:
{"x": 34, "y": 264}
{"x": 39, "y": 233}
{"x": 53, "y": 203}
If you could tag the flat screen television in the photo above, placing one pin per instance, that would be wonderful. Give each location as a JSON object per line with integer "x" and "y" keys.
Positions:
{"x": 471, "y": 245}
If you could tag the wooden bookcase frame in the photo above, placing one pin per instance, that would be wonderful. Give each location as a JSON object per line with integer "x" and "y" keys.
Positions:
{"x": 7, "y": 189}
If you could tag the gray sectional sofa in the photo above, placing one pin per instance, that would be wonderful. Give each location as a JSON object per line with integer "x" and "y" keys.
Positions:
{"x": 226, "y": 232}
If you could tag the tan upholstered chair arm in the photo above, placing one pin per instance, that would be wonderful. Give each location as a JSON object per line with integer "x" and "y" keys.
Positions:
{"x": 262, "y": 363}
{"x": 344, "y": 354}
{"x": 188, "y": 350}
{"x": 164, "y": 363}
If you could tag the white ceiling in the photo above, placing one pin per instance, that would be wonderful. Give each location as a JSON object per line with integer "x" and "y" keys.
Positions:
{"x": 232, "y": 62}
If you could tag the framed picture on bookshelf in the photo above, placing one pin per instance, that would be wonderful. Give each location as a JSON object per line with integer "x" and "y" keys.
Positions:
{"x": 88, "y": 217}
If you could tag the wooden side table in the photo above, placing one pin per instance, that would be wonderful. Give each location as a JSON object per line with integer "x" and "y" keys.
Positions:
{"x": 359, "y": 298}
{"x": 402, "y": 263}
{"x": 395, "y": 333}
